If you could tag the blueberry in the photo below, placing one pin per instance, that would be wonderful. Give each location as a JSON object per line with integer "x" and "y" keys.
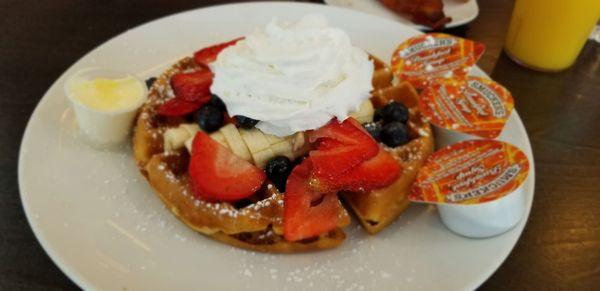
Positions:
{"x": 217, "y": 102}
{"x": 377, "y": 115}
{"x": 150, "y": 81}
{"x": 374, "y": 128}
{"x": 278, "y": 169}
{"x": 210, "y": 118}
{"x": 245, "y": 122}
{"x": 394, "y": 134}
{"x": 394, "y": 111}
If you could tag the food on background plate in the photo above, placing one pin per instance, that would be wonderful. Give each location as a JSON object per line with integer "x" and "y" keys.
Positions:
{"x": 290, "y": 119}
{"x": 426, "y": 12}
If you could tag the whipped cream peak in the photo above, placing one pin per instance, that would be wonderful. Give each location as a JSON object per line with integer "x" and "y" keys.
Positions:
{"x": 293, "y": 76}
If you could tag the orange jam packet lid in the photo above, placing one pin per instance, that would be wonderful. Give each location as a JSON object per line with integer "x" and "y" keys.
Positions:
{"x": 470, "y": 172}
{"x": 474, "y": 105}
{"x": 420, "y": 59}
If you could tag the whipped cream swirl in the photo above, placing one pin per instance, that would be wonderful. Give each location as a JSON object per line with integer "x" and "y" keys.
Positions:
{"x": 293, "y": 77}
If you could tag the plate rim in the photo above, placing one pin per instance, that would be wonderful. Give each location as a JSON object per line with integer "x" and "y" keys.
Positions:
{"x": 81, "y": 281}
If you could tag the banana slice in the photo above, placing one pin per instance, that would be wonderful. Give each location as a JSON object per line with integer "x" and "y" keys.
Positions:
{"x": 300, "y": 145}
{"x": 251, "y": 145}
{"x": 273, "y": 139}
{"x": 365, "y": 112}
{"x": 220, "y": 138}
{"x": 255, "y": 140}
{"x": 283, "y": 148}
{"x": 188, "y": 144}
{"x": 261, "y": 158}
{"x": 191, "y": 128}
{"x": 235, "y": 142}
{"x": 175, "y": 138}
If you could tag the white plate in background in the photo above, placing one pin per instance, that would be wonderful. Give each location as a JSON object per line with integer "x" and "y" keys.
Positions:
{"x": 461, "y": 11}
{"x": 102, "y": 224}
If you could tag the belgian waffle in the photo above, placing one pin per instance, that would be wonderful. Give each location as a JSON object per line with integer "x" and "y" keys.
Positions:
{"x": 378, "y": 208}
{"x": 255, "y": 224}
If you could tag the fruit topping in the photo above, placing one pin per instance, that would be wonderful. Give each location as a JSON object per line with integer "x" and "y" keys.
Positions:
{"x": 364, "y": 113}
{"x": 394, "y": 111}
{"x": 307, "y": 213}
{"x": 374, "y": 173}
{"x": 192, "y": 90}
{"x": 374, "y": 129}
{"x": 150, "y": 81}
{"x": 278, "y": 169}
{"x": 192, "y": 87}
{"x": 245, "y": 122}
{"x": 210, "y": 118}
{"x": 236, "y": 142}
{"x": 394, "y": 134}
{"x": 346, "y": 158}
{"x": 216, "y": 174}
{"x": 377, "y": 115}
{"x": 177, "y": 107}
{"x": 340, "y": 147}
{"x": 217, "y": 102}
{"x": 207, "y": 55}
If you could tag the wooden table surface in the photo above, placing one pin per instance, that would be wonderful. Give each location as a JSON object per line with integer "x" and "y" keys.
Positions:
{"x": 559, "y": 249}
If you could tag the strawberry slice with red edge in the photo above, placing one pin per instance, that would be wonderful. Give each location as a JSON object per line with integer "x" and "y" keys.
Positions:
{"x": 193, "y": 87}
{"x": 307, "y": 213}
{"x": 341, "y": 147}
{"x": 178, "y": 107}
{"x": 377, "y": 172}
{"x": 209, "y": 54}
{"x": 216, "y": 174}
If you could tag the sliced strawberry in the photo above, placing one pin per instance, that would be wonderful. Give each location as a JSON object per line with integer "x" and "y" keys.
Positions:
{"x": 354, "y": 146}
{"x": 377, "y": 172}
{"x": 207, "y": 55}
{"x": 193, "y": 87}
{"x": 350, "y": 131}
{"x": 307, "y": 213}
{"x": 216, "y": 174}
{"x": 325, "y": 144}
{"x": 178, "y": 107}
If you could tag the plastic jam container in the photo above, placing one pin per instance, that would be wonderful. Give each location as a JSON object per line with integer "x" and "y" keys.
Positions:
{"x": 477, "y": 186}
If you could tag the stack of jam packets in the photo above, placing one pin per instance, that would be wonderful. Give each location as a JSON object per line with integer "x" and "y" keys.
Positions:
{"x": 475, "y": 181}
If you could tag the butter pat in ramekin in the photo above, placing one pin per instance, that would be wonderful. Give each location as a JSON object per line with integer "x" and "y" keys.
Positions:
{"x": 105, "y": 103}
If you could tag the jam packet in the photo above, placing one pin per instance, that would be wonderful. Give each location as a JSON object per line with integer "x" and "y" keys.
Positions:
{"x": 477, "y": 186}
{"x": 475, "y": 105}
{"x": 470, "y": 172}
{"x": 423, "y": 58}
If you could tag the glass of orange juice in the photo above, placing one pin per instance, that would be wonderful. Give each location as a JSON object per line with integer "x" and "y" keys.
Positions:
{"x": 547, "y": 35}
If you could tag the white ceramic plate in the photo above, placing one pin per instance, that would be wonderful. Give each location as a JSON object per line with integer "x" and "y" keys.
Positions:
{"x": 101, "y": 223}
{"x": 461, "y": 11}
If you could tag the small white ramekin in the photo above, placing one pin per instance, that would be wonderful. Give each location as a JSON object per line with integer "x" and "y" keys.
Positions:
{"x": 104, "y": 128}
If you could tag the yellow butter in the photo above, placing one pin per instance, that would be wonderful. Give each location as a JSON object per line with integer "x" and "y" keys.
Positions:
{"x": 107, "y": 94}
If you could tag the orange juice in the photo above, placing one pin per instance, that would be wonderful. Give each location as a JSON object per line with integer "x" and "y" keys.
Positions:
{"x": 548, "y": 34}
